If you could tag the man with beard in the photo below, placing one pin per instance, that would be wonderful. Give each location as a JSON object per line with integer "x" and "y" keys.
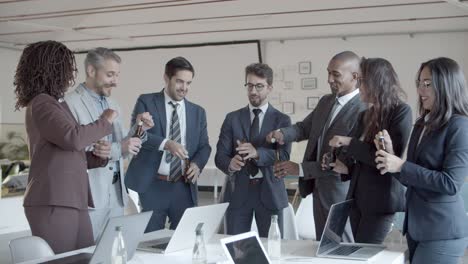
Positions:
{"x": 335, "y": 114}
{"x": 243, "y": 155}
{"x": 179, "y": 136}
{"x": 87, "y": 102}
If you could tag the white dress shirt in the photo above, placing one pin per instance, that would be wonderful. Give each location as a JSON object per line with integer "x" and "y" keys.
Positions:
{"x": 164, "y": 167}
{"x": 342, "y": 101}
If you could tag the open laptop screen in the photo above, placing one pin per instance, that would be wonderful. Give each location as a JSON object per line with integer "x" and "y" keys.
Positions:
{"x": 335, "y": 225}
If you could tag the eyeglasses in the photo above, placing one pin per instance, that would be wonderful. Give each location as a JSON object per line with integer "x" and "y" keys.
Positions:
{"x": 423, "y": 84}
{"x": 258, "y": 87}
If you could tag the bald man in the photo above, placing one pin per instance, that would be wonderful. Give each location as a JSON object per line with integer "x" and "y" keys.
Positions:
{"x": 335, "y": 114}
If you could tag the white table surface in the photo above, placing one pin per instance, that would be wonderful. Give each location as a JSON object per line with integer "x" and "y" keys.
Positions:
{"x": 292, "y": 251}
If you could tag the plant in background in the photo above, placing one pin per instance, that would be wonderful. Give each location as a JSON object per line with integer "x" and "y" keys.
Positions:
{"x": 15, "y": 148}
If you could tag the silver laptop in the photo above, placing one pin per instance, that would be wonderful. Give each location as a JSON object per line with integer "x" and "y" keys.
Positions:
{"x": 183, "y": 237}
{"x": 133, "y": 227}
{"x": 331, "y": 246}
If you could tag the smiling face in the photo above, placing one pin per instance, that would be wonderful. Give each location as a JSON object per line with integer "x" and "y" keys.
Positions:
{"x": 425, "y": 89}
{"x": 104, "y": 78}
{"x": 341, "y": 78}
{"x": 177, "y": 87}
{"x": 257, "y": 89}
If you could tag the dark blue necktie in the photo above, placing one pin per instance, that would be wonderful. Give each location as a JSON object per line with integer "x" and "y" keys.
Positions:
{"x": 252, "y": 169}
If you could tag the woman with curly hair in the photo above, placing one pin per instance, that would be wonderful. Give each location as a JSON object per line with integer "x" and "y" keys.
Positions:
{"x": 376, "y": 198}
{"x": 57, "y": 196}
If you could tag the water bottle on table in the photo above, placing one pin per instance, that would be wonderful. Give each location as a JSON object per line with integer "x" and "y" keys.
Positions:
{"x": 119, "y": 252}
{"x": 274, "y": 240}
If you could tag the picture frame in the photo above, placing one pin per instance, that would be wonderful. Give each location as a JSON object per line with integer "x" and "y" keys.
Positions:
{"x": 305, "y": 67}
{"x": 312, "y": 102}
{"x": 278, "y": 75}
{"x": 275, "y": 99}
{"x": 288, "y": 85}
{"x": 309, "y": 83}
{"x": 288, "y": 108}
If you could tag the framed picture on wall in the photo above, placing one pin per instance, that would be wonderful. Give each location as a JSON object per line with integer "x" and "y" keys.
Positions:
{"x": 309, "y": 83}
{"x": 275, "y": 99}
{"x": 312, "y": 102}
{"x": 278, "y": 74}
{"x": 305, "y": 67}
{"x": 288, "y": 85}
{"x": 288, "y": 108}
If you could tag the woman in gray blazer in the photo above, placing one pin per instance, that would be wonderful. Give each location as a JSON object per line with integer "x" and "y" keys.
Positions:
{"x": 57, "y": 196}
{"x": 436, "y": 223}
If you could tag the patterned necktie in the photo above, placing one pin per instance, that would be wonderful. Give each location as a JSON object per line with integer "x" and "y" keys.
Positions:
{"x": 174, "y": 135}
{"x": 254, "y": 131}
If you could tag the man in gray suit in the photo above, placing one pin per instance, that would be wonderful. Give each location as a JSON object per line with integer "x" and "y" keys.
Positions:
{"x": 179, "y": 136}
{"x": 335, "y": 114}
{"x": 247, "y": 159}
{"x": 86, "y": 103}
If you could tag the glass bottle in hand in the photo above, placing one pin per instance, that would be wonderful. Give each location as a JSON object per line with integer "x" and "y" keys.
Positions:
{"x": 139, "y": 130}
{"x": 329, "y": 158}
{"x": 242, "y": 141}
{"x": 382, "y": 143}
{"x": 186, "y": 169}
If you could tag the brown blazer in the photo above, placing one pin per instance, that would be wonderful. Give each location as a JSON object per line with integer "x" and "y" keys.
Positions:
{"x": 57, "y": 144}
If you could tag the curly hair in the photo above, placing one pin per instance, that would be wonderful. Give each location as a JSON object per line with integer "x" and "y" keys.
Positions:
{"x": 384, "y": 92}
{"x": 44, "y": 67}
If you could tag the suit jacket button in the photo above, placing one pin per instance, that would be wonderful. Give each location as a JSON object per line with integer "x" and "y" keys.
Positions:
{"x": 110, "y": 168}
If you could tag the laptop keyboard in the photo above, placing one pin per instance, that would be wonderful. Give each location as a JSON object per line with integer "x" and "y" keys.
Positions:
{"x": 82, "y": 258}
{"x": 162, "y": 246}
{"x": 344, "y": 250}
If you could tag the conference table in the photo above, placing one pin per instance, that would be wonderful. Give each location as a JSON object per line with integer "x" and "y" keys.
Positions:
{"x": 292, "y": 251}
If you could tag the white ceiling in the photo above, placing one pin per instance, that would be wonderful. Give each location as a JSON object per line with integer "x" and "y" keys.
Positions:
{"x": 85, "y": 24}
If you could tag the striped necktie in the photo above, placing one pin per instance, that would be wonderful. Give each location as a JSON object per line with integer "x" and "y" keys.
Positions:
{"x": 174, "y": 135}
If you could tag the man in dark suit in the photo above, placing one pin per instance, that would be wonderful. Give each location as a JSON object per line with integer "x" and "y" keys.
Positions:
{"x": 179, "y": 135}
{"x": 247, "y": 159}
{"x": 335, "y": 114}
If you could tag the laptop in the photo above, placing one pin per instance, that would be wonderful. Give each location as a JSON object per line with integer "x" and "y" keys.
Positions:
{"x": 183, "y": 237}
{"x": 133, "y": 227}
{"x": 331, "y": 246}
{"x": 245, "y": 248}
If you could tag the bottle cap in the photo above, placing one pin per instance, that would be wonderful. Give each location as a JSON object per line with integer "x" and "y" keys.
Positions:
{"x": 140, "y": 123}
{"x": 118, "y": 228}
{"x": 273, "y": 140}
{"x": 198, "y": 229}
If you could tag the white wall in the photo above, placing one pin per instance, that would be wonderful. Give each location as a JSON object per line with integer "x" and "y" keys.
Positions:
{"x": 7, "y": 71}
{"x": 9, "y": 120}
{"x": 218, "y": 83}
{"x": 405, "y": 53}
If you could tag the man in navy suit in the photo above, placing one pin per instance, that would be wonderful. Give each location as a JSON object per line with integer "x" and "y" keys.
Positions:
{"x": 157, "y": 173}
{"x": 247, "y": 159}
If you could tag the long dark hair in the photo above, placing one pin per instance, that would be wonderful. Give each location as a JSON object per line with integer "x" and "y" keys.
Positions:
{"x": 44, "y": 67}
{"x": 383, "y": 90}
{"x": 449, "y": 84}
